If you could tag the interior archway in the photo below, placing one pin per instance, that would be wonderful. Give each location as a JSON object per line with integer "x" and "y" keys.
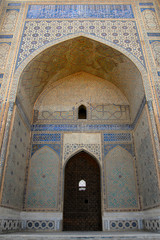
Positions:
{"x": 55, "y": 83}
{"x": 82, "y": 194}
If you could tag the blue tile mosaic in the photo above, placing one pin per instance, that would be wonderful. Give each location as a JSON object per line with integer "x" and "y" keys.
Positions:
{"x": 34, "y": 35}
{"x": 14, "y": 4}
{"x": 153, "y": 34}
{"x": 1, "y": 75}
{"x": 80, "y": 11}
{"x": 114, "y": 137}
{"x": 128, "y": 147}
{"x": 146, "y": 4}
{"x": 143, "y": 9}
{"x": 6, "y": 36}
{"x": 55, "y": 147}
{"x": 158, "y": 74}
{"x": 79, "y": 127}
{"x": 151, "y": 41}
{"x": 12, "y": 10}
{"x": 47, "y": 137}
{"x": 41, "y": 225}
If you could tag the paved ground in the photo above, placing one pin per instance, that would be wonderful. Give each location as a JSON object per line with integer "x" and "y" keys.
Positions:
{"x": 81, "y": 236}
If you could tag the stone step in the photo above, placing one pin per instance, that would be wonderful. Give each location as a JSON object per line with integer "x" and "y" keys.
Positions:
{"x": 81, "y": 236}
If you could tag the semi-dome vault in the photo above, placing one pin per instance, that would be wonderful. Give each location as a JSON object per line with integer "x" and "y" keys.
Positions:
{"x": 77, "y": 55}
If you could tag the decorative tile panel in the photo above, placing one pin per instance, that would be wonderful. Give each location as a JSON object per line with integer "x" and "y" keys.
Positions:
{"x": 80, "y": 11}
{"x": 40, "y": 225}
{"x": 46, "y": 137}
{"x": 16, "y": 164}
{"x": 123, "y": 225}
{"x": 10, "y": 225}
{"x": 80, "y": 127}
{"x": 60, "y": 115}
{"x": 150, "y": 18}
{"x": 155, "y": 44}
{"x": 10, "y": 20}
{"x": 70, "y": 149}
{"x": 55, "y": 147}
{"x": 121, "y": 192}
{"x": 4, "y": 51}
{"x": 41, "y": 174}
{"x": 38, "y": 33}
{"x": 148, "y": 178}
{"x": 114, "y": 137}
{"x": 110, "y": 112}
{"x": 109, "y": 147}
{"x": 152, "y": 224}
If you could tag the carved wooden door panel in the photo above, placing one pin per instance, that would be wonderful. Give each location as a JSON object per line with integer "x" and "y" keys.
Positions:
{"x": 82, "y": 194}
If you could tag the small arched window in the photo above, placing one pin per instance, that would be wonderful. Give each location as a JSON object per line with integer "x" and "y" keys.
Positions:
{"x": 82, "y": 112}
{"x": 82, "y": 185}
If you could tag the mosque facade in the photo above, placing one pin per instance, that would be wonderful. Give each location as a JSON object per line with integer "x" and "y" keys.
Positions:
{"x": 80, "y": 115}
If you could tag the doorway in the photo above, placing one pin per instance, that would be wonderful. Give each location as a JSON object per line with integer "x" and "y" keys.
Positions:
{"x": 82, "y": 194}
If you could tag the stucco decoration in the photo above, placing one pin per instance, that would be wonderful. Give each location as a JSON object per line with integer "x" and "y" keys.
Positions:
{"x": 150, "y": 20}
{"x": 156, "y": 51}
{"x": 10, "y": 21}
{"x": 4, "y": 50}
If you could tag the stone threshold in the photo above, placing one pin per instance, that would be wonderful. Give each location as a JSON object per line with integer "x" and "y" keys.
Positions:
{"x": 139, "y": 235}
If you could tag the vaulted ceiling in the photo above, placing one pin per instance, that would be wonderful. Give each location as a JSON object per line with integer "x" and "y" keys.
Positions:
{"x": 76, "y": 55}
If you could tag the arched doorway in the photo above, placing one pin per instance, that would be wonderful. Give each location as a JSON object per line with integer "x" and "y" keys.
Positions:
{"x": 82, "y": 194}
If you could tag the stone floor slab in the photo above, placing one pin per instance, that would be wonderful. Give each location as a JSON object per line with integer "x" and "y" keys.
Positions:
{"x": 81, "y": 236}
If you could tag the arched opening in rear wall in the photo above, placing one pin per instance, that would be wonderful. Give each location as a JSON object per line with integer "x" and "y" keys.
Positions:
{"x": 82, "y": 194}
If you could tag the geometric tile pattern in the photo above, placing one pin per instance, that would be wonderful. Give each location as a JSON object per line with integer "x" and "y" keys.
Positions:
{"x": 38, "y": 33}
{"x": 152, "y": 224}
{"x": 114, "y": 137}
{"x": 95, "y": 149}
{"x": 44, "y": 137}
{"x": 80, "y": 127}
{"x": 121, "y": 190}
{"x": 44, "y": 171}
{"x": 80, "y": 11}
{"x": 40, "y": 225}
{"x": 110, "y": 112}
{"x": 10, "y": 225}
{"x": 148, "y": 179}
{"x": 123, "y": 225}
{"x": 47, "y": 115}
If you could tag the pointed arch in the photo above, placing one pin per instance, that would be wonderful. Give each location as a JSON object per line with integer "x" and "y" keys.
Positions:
{"x": 31, "y": 57}
{"x": 82, "y": 149}
{"x": 82, "y": 168}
